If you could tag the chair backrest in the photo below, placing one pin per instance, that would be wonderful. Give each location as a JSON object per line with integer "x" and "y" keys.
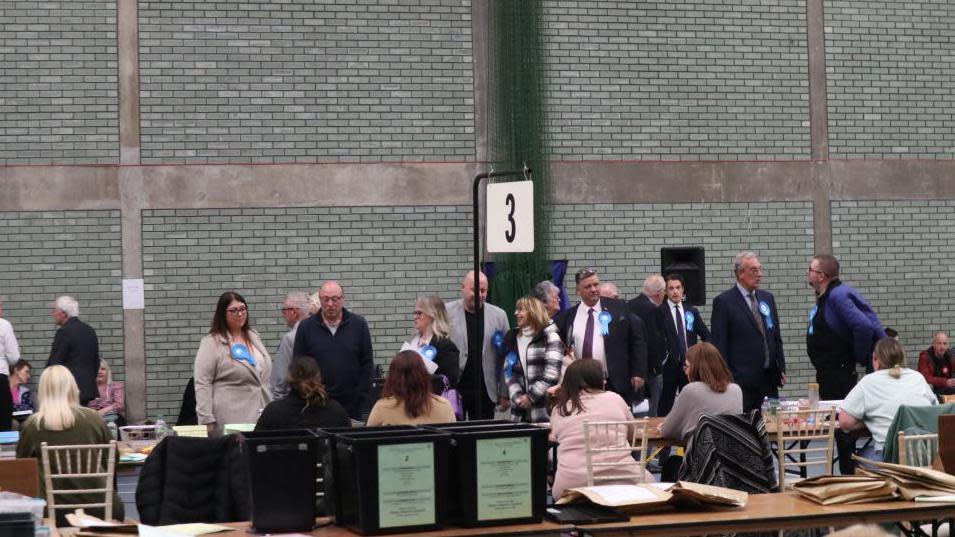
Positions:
{"x": 946, "y": 442}
{"x": 805, "y": 440}
{"x": 615, "y": 450}
{"x": 908, "y": 418}
{"x": 732, "y": 451}
{"x": 917, "y": 449}
{"x": 89, "y": 466}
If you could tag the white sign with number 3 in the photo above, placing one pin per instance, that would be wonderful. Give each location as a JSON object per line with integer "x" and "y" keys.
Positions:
{"x": 510, "y": 217}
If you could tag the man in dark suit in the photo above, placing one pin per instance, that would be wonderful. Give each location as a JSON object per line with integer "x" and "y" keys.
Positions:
{"x": 645, "y": 307}
{"x": 604, "y": 329}
{"x": 75, "y": 347}
{"x": 682, "y": 326}
{"x": 746, "y": 330}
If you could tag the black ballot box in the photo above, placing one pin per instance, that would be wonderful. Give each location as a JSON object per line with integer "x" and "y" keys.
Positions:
{"x": 387, "y": 479}
{"x": 499, "y": 471}
{"x": 283, "y": 470}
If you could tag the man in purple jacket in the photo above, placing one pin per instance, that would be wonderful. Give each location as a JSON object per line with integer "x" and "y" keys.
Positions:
{"x": 842, "y": 331}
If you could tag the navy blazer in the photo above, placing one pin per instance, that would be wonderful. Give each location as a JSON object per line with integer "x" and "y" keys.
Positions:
{"x": 672, "y": 338}
{"x": 736, "y": 335}
{"x": 644, "y": 308}
{"x": 76, "y": 346}
{"x": 624, "y": 345}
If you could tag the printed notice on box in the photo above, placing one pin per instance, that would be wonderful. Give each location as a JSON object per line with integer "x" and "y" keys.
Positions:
{"x": 406, "y": 485}
{"x": 504, "y": 478}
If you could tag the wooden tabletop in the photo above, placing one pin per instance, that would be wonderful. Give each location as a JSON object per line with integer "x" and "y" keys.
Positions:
{"x": 331, "y": 530}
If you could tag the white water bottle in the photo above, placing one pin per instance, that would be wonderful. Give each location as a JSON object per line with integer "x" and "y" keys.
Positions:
{"x": 160, "y": 429}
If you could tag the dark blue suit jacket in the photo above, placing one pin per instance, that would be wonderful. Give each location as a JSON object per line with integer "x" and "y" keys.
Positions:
{"x": 624, "y": 346}
{"x": 736, "y": 335}
{"x": 673, "y": 347}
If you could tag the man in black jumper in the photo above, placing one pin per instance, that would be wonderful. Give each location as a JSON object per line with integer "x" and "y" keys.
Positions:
{"x": 341, "y": 343}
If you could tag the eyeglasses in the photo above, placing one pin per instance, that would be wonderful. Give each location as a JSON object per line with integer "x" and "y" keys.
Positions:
{"x": 240, "y": 310}
{"x": 417, "y": 313}
{"x": 811, "y": 270}
{"x": 287, "y": 309}
{"x": 326, "y": 299}
{"x": 754, "y": 270}
{"x": 583, "y": 274}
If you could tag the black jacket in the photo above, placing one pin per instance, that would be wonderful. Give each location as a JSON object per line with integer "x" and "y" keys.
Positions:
{"x": 194, "y": 480}
{"x": 76, "y": 347}
{"x": 644, "y": 308}
{"x": 290, "y": 412}
{"x": 448, "y": 359}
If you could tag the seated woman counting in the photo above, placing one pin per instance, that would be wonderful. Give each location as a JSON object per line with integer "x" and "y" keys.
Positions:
{"x": 111, "y": 403}
{"x": 307, "y": 405}
{"x": 875, "y": 400}
{"x": 710, "y": 391}
{"x": 406, "y": 397}
{"x": 534, "y": 357}
{"x": 61, "y": 421}
{"x": 582, "y": 398}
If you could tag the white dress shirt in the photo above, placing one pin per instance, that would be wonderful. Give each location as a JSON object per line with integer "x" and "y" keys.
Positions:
{"x": 580, "y": 326}
{"x": 9, "y": 348}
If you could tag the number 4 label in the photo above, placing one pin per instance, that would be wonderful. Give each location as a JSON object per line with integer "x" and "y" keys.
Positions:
{"x": 510, "y": 217}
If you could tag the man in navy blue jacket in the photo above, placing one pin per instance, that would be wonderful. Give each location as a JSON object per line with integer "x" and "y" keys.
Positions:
{"x": 745, "y": 328}
{"x": 341, "y": 343}
{"x": 842, "y": 331}
{"x": 682, "y": 327}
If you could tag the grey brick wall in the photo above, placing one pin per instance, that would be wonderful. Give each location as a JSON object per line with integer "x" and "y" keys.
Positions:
{"x": 890, "y": 70}
{"x": 677, "y": 80}
{"x": 898, "y": 253}
{"x": 383, "y": 256}
{"x": 268, "y": 81}
{"x": 58, "y": 82}
{"x": 624, "y": 241}
{"x": 47, "y": 254}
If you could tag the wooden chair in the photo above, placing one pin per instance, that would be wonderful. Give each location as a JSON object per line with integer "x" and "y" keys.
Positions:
{"x": 615, "y": 450}
{"x": 798, "y": 434}
{"x": 93, "y": 463}
{"x": 917, "y": 449}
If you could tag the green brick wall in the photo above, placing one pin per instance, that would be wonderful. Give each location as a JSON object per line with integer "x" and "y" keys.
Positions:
{"x": 266, "y": 81}
{"x": 47, "y": 254}
{"x": 677, "y": 80}
{"x": 890, "y": 78}
{"x": 58, "y": 82}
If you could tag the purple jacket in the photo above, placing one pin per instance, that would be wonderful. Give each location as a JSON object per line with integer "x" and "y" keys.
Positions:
{"x": 852, "y": 317}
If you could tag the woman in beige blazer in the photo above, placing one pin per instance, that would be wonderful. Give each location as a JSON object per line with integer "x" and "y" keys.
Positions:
{"x": 232, "y": 368}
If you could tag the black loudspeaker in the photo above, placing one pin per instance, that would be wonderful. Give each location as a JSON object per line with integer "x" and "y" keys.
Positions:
{"x": 691, "y": 264}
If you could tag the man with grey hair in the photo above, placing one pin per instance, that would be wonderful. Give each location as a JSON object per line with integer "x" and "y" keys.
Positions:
{"x": 294, "y": 310}
{"x": 9, "y": 354}
{"x": 76, "y": 347}
{"x": 609, "y": 290}
{"x": 746, "y": 329}
{"x": 548, "y": 293}
{"x": 645, "y": 306}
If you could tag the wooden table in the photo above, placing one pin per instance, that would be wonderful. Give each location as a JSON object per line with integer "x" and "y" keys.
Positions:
{"x": 771, "y": 512}
{"x": 544, "y": 528}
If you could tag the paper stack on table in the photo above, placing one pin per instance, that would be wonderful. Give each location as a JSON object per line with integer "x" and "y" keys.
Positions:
{"x": 649, "y": 495}
{"x": 845, "y": 489}
{"x": 913, "y": 482}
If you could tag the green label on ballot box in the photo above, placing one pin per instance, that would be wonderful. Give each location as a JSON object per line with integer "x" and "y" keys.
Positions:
{"x": 406, "y": 485}
{"x": 504, "y": 478}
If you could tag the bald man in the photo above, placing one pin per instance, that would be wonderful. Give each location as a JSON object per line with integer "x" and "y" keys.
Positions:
{"x": 340, "y": 342}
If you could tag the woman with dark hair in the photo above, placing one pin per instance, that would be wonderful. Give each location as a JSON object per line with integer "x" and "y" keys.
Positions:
{"x": 710, "y": 391}
{"x": 22, "y": 396}
{"x": 307, "y": 405}
{"x": 534, "y": 357}
{"x": 231, "y": 369}
{"x": 406, "y": 398}
{"x": 582, "y": 398}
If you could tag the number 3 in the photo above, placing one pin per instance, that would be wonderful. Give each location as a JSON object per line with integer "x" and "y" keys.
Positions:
{"x": 509, "y": 235}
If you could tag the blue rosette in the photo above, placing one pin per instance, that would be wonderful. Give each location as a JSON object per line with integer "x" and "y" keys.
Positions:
{"x": 509, "y": 363}
{"x": 498, "y": 341}
{"x": 767, "y": 314}
{"x": 812, "y": 315}
{"x": 240, "y": 353}
{"x": 429, "y": 352}
{"x": 690, "y": 318}
{"x": 605, "y": 319}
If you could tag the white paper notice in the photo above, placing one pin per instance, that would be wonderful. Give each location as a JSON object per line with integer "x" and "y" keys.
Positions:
{"x": 623, "y": 494}
{"x": 133, "y": 294}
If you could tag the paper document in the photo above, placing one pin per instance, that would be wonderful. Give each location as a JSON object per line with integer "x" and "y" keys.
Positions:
{"x": 432, "y": 367}
{"x": 623, "y": 494}
{"x": 196, "y": 529}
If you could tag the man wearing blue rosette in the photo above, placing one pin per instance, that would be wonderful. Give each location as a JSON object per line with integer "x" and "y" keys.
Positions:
{"x": 745, "y": 328}
{"x": 682, "y": 327}
{"x": 604, "y": 329}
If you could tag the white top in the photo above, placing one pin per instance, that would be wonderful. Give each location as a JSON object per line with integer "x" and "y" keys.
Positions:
{"x": 580, "y": 328}
{"x": 523, "y": 342}
{"x": 877, "y": 397}
{"x": 9, "y": 348}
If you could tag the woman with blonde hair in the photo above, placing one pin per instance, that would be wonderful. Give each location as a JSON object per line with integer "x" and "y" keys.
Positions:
{"x": 433, "y": 330}
{"x": 61, "y": 421}
{"x": 111, "y": 403}
{"x": 533, "y": 355}
{"x": 875, "y": 400}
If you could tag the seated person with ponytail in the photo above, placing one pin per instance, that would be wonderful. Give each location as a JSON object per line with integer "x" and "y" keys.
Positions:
{"x": 307, "y": 405}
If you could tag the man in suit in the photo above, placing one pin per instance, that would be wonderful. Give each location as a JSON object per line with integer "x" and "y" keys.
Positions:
{"x": 294, "y": 311}
{"x": 682, "y": 327}
{"x": 604, "y": 329}
{"x": 645, "y": 307}
{"x": 75, "y": 347}
{"x": 481, "y": 384}
{"x": 745, "y": 328}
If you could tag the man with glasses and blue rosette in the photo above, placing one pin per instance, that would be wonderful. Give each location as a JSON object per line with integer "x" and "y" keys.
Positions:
{"x": 745, "y": 328}
{"x": 603, "y": 329}
{"x": 340, "y": 342}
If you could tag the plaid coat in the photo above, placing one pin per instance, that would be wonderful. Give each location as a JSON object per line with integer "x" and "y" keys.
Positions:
{"x": 544, "y": 360}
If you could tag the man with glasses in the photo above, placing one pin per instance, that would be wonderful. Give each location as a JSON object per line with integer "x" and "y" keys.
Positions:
{"x": 341, "y": 343}
{"x": 842, "y": 332}
{"x": 746, "y": 330}
{"x": 603, "y": 329}
{"x": 294, "y": 310}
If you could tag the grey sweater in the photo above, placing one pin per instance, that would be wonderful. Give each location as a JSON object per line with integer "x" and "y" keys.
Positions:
{"x": 695, "y": 400}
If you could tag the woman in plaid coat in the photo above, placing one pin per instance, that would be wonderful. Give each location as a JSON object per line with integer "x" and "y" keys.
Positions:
{"x": 533, "y": 356}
